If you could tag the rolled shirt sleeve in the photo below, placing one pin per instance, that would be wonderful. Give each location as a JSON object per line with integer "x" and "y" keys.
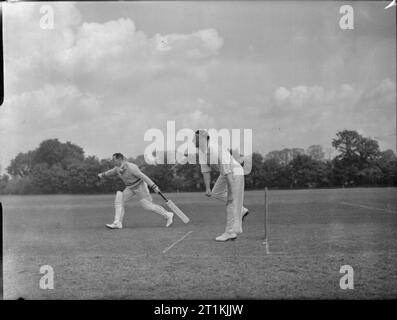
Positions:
{"x": 110, "y": 172}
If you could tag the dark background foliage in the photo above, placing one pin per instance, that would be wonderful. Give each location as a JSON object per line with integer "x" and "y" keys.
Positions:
{"x": 56, "y": 167}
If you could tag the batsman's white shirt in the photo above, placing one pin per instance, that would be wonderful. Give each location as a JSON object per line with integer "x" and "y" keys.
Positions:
{"x": 128, "y": 172}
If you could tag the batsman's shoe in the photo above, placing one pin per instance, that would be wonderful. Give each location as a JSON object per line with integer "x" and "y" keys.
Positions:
{"x": 245, "y": 213}
{"x": 226, "y": 236}
{"x": 114, "y": 225}
{"x": 170, "y": 216}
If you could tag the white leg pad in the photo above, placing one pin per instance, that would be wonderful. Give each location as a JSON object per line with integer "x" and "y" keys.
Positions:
{"x": 119, "y": 207}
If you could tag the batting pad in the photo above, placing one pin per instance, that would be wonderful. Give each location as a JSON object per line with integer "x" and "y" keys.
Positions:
{"x": 119, "y": 207}
{"x": 119, "y": 198}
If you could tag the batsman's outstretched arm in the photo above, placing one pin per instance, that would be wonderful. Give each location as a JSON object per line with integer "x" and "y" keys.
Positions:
{"x": 107, "y": 173}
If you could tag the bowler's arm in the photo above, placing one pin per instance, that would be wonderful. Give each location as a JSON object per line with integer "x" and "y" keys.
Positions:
{"x": 207, "y": 181}
{"x": 206, "y": 172}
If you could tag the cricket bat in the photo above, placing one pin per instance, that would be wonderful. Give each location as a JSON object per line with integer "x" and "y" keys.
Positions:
{"x": 170, "y": 204}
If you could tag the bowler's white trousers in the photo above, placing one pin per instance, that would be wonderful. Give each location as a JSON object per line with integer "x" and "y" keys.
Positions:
{"x": 234, "y": 207}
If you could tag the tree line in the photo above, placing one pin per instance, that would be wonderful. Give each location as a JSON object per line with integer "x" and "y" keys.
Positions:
{"x": 55, "y": 167}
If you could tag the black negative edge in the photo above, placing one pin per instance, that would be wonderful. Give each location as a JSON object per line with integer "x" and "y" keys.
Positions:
{"x": 1, "y": 254}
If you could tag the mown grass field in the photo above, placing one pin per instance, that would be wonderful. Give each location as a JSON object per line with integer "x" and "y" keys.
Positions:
{"x": 312, "y": 234}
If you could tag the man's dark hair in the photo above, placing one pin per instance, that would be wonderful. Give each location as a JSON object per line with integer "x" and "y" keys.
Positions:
{"x": 198, "y": 133}
{"x": 118, "y": 156}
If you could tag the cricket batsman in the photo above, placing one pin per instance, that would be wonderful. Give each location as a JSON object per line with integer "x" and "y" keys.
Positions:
{"x": 229, "y": 186}
{"x": 136, "y": 185}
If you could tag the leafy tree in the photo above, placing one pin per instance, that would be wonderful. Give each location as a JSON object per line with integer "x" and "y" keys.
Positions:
{"x": 56, "y": 167}
{"x": 316, "y": 152}
{"x": 162, "y": 174}
{"x": 18, "y": 185}
{"x": 139, "y": 160}
{"x": 307, "y": 172}
{"x": 22, "y": 165}
{"x": 370, "y": 175}
{"x": 52, "y": 152}
{"x": 356, "y": 158}
{"x": 49, "y": 179}
{"x": 4, "y": 179}
{"x": 257, "y": 177}
{"x": 387, "y": 163}
{"x": 188, "y": 177}
{"x": 284, "y": 156}
{"x": 271, "y": 170}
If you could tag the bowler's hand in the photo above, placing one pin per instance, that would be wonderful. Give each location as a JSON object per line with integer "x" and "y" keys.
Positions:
{"x": 208, "y": 193}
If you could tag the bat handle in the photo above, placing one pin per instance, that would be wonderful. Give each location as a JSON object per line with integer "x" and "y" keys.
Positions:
{"x": 165, "y": 199}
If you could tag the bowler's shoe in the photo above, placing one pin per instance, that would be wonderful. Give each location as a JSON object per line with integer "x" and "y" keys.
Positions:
{"x": 226, "y": 236}
{"x": 114, "y": 225}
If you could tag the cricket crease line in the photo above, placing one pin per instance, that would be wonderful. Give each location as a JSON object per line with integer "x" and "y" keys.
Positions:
{"x": 177, "y": 241}
{"x": 367, "y": 207}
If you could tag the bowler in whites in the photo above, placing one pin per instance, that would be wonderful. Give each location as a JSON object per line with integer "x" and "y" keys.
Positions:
{"x": 229, "y": 187}
{"x": 136, "y": 183}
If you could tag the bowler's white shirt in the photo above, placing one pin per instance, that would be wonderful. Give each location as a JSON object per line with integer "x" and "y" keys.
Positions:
{"x": 212, "y": 154}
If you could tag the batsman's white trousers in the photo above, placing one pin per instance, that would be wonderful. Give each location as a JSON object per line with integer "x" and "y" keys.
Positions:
{"x": 234, "y": 207}
{"x": 144, "y": 197}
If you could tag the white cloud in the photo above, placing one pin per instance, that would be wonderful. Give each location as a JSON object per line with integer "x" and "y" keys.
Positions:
{"x": 202, "y": 44}
{"x": 54, "y": 111}
{"x": 51, "y": 107}
{"x": 96, "y": 76}
{"x": 376, "y": 110}
{"x": 281, "y": 95}
{"x": 317, "y": 99}
{"x": 102, "y": 84}
{"x": 315, "y": 113}
{"x": 386, "y": 90}
{"x": 96, "y": 54}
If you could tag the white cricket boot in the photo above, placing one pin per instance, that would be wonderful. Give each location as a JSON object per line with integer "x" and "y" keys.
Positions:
{"x": 114, "y": 225}
{"x": 226, "y": 236}
{"x": 170, "y": 216}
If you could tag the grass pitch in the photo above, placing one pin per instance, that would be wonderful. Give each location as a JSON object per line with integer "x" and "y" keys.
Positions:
{"x": 312, "y": 233}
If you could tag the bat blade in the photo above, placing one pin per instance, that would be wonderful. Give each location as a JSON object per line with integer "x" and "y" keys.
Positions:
{"x": 177, "y": 211}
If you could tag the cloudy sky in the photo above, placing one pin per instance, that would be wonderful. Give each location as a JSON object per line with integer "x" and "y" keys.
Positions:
{"x": 108, "y": 72}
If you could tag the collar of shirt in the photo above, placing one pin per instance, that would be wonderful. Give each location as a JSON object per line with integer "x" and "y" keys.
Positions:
{"x": 123, "y": 167}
